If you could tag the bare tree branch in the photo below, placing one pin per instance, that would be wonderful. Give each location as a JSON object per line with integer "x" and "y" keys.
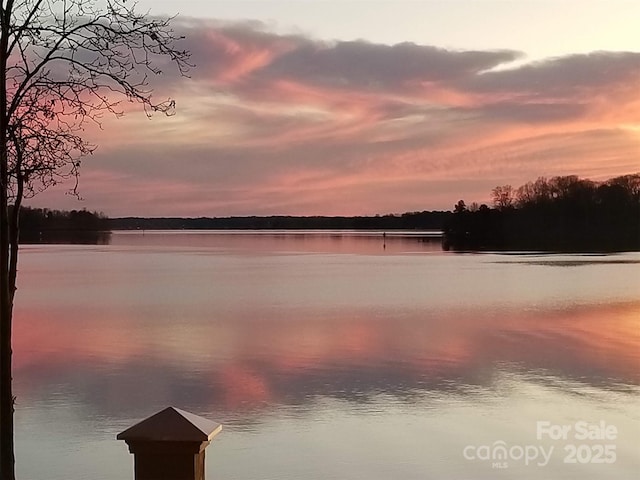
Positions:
{"x": 63, "y": 64}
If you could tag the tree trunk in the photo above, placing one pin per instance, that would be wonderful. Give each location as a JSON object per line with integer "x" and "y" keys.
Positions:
{"x": 7, "y": 457}
{"x": 7, "y": 286}
{"x": 7, "y": 289}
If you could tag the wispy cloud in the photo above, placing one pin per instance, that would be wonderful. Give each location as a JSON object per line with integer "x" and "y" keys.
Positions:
{"x": 273, "y": 123}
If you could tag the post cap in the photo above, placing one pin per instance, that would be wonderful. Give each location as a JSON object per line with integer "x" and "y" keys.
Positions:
{"x": 172, "y": 425}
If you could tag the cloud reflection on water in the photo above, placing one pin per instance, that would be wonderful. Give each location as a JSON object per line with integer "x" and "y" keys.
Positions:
{"x": 254, "y": 365}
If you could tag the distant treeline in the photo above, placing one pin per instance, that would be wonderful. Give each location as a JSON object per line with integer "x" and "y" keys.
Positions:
{"x": 41, "y": 225}
{"x": 407, "y": 221}
{"x": 561, "y": 213}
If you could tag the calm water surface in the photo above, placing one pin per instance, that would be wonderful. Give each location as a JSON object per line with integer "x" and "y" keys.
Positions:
{"x": 328, "y": 356}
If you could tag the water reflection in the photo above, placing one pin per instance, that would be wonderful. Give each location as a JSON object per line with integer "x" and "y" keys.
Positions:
{"x": 66, "y": 237}
{"x": 244, "y": 365}
{"x": 337, "y": 350}
{"x": 286, "y": 241}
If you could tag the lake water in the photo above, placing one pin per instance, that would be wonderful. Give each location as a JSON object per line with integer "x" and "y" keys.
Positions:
{"x": 329, "y": 356}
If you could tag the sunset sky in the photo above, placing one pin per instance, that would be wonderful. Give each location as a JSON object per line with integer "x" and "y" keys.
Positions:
{"x": 314, "y": 107}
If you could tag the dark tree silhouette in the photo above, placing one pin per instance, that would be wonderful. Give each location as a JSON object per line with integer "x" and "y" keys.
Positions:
{"x": 63, "y": 63}
{"x": 41, "y": 225}
{"x": 434, "y": 220}
{"x": 562, "y": 213}
{"x": 502, "y": 197}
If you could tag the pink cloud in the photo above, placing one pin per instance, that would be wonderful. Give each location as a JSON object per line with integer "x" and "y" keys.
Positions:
{"x": 269, "y": 123}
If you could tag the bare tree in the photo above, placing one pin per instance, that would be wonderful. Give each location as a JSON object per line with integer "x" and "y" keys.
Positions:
{"x": 63, "y": 64}
{"x": 503, "y": 197}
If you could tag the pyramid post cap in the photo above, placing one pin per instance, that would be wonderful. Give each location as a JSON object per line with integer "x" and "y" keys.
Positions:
{"x": 172, "y": 425}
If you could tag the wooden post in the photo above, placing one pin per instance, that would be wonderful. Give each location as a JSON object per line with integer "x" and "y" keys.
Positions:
{"x": 170, "y": 445}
